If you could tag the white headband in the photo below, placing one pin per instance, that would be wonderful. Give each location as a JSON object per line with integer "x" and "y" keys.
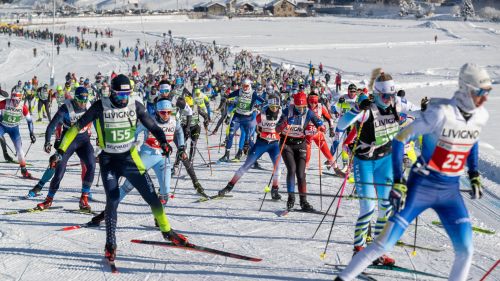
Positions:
{"x": 385, "y": 87}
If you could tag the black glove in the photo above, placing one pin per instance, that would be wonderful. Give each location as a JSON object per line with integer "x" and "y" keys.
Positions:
{"x": 166, "y": 148}
{"x": 365, "y": 104}
{"x": 187, "y": 132}
{"x": 47, "y": 147}
{"x": 332, "y": 132}
{"x": 423, "y": 104}
{"x": 341, "y": 100}
{"x": 475, "y": 185}
{"x": 206, "y": 122}
{"x": 57, "y": 143}
{"x": 227, "y": 120}
{"x": 33, "y": 138}
{"x": 181, "y": 152}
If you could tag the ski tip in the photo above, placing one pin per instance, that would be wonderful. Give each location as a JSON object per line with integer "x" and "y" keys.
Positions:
{"x": 135, "y": 241}
{"x": 73, "y": 227}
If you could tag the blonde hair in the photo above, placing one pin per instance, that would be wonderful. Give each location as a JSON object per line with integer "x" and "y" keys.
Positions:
{"x": 375, "y": 73}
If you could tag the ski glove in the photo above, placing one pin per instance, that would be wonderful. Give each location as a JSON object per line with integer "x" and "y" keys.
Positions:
{"x": 397, "y": 197}
{"x": 166, "y": 148}
{"x": 33, "y": 138}
{"x": 365, "y": 104}
{"x": 205, "y": 123}
{"x": 423, "y": 103}
{"x": 332, "y": 132}
{"x": 475, "y": 185}
{"x": 181, "y": 153}
{"x": 47, "y": 147}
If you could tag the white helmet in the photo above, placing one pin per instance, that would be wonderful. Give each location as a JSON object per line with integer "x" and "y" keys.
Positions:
{"x": 471, "y": 77}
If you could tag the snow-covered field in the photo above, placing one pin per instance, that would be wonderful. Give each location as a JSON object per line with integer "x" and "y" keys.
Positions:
{"x": 32, "y": 248}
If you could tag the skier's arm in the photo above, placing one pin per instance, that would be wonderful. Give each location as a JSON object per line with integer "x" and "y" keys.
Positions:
{"x": 90, "y": 115}
{"x": 283, "y": 121}
{"x": 234, "y": 94}
{"x": 179, "y": 135}
{"x": 207, "y": 105}
{"x": 473, "y": 160}
{"x": 27, "y": 115}
{"x": 149, "y": 123}
{"x": 56, "y": 120}
{"x": 431, "y": 119}
{"x": 344, "y": 122}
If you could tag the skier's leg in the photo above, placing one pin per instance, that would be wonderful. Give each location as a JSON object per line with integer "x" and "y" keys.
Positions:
{"x": 61, "y": 169}
{"x": 109, "y": 177}
{"x": 383, "y": 175}
{"x": 255, "y": 153}
{"x": 274, "y": 152}
{"x": 86, "y": 154}
{"x": 418, "y": 200}
{"x": 455, "y": 218}
{"x": 135, "y": 172}
{"x": 288, "y": 158}
{"x": 363, "y": 173}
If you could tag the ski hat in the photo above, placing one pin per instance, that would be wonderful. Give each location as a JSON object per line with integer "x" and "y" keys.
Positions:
{"x": 471, "y": 78}
{"x": 273, "y": 100}
{"x": 81, "y": 95}
{"x": 120, "y": 91}
{"x": 313, "y": 98}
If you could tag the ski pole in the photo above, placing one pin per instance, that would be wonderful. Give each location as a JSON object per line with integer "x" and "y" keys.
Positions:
{"x": 220, "y": 137}
{"x": 208, "y": 149}
{"x": 202, "y": 158}
{"x": 8, "y": 146}
{"x": 490, "y": 270}
{"x": 176, "y": 182}
{"x": 336, "y": 196}
{"x": 414, "y": 253}
{"x": 320, "y": 172}
{"x": 323, "y": 255}
{"x": 278, "y": 159}
{"x": 25, "y": 154}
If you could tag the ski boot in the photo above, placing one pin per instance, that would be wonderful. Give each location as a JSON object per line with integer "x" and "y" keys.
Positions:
{"x": 338, "y": 279}
{"x": 291, "y": 201}
{"x": 304, "y": 205}
{"x": 275, "y": 195}
{"x": 199, "y": 189}
{"x": 163, "y": 199}
{"x": 7, "y": 157}
{"x": 225, "y": 158}
{"x": 384, "y": 260}
{"x": 96, "y": 221}
{"x": 25, "y": 173}
{"x": 226, "y": 189}
{"x": 176, "y": 238}
{"x": 39, "y": 120}
{"x": 357, "y": 249}
{"x": 45, "y": 204}
{"x": 110, "y": 252}
{"x": 238, "y": 154}
{"x": 35, "y": 191}
{"x": 84, "y": 202}
{"x": 256, "y": 165}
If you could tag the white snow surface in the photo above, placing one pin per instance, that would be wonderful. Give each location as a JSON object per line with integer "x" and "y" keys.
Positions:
{"x": 32, "y": 248}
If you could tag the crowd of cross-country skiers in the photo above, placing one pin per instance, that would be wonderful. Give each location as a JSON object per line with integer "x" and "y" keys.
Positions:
{"x": 408, "y": 156}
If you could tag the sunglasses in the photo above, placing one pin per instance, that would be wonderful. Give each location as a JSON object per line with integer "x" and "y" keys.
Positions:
{"x": 164, "y": 112}
{"x": 386, "y": 96}
{"x": 121, "y": 95}
{"x": 481, "y": 92}
{"x": 164, "y": 91}
{"x": 274, "y": 106}
{"x": 83, "y": 100}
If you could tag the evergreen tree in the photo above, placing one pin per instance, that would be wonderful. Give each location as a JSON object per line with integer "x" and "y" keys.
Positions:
{"x": 467, "y": 9}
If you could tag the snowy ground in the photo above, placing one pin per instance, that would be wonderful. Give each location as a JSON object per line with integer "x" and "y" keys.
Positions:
{"x": 32, "y": 248}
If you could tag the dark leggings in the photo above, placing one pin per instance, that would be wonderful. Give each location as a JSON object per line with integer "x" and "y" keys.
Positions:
{"x": 128, "y": 165}
{"x": 294, "y": 156}
{"x": 47, "y": 108}
{"x": 83, "y": 148}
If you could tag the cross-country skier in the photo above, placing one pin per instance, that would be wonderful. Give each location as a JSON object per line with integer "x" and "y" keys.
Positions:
{"x": 450, "y": 130}
{"x": 243, "y": 116}
{"x": 116, "y": 119}
{"x": 12, "y": 111}
{"x": 267, "y": 141}
{"x": 67, "y": 115}
{"x": 292, "y": 125}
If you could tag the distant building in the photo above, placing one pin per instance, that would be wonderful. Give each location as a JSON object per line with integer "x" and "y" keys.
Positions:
{"x": 211, "y": 8}
{"x": 281, "y": 8}
{"x": 246, "y": 7}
